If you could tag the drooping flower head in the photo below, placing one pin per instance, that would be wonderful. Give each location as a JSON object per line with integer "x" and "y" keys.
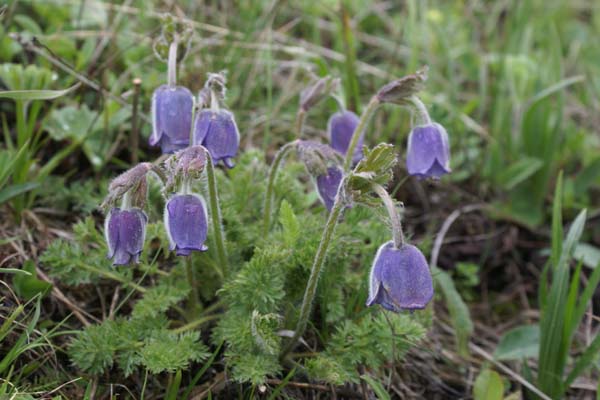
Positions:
{"x": 341, "y": 127}
{"x": 328, "y": 185}
{"x": 400, "y": 279}
{"x": 428, "y": 154}
{"x": 186, "y": 223}
{"x": 217, "y": 131}
{"x": 125, "y": 231}
{"x": 171, "y": 118}
{"x": 322, "y": 163}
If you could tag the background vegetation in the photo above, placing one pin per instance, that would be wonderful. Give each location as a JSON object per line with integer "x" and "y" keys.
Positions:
{"x": 515, "y": 83}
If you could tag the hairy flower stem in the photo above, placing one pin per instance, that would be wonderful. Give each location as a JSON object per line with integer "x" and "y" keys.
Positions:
{"x": 172, "y": 64}
{"x": 315, "y": 272}
{"x": 215, "y": 212}
{"x": 300, "y": 118}
{"x": 362, "y": 125}
{"x": 332, "y": 220}
{"x": 422, "y": 114}
{"x": 193, "y": 296}
{"x": 281, "y": 154}
{"x": 388, "y": 202}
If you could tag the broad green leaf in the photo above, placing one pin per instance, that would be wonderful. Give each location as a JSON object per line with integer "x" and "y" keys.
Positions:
{"x": 28, "y": 285}
{"x": 519, "y": 172}
{"x": 35, "y": 94}
{"x": 584, "y": 361}
{"x": 587, "y": 177}
{"x": 519, "y": 343}
{"x": 554, "y": 346}
{"x": 12, "y": 191}
{"x": 459, "y": 312}
{"x": 14, "y": 271}
{"x": 557, "y": 228}
{"x": 488, "y": 386}
{"x": 586, "y": 253}
{"x": 377, "y": 387}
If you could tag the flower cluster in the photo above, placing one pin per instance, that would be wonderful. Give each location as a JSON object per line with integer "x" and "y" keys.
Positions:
{"x": 185, "y": 214}
{"x": 400, "y": 278}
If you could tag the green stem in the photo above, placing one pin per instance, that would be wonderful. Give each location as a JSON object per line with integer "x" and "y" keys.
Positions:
{"x": 358, "y": 132}
{"x": 172, "y": 64}
{"x": 397, "y": 233}
{"x": 279, "y": 157}
{"x": 215, "y": 213}
{"x": 299, "y": 126}
{"x": 422, "y": 114}
{"x": 114, "y": 277}
{"x": 315, "y": 272}
{"x": 196, "y": 323}
{"x": 194, "y": 296}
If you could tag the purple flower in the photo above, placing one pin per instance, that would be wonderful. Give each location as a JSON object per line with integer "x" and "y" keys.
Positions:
{"x": 400, "y": 279}
{"x": 327, "y": 186}
{"x": 341, "y": 126}
{"x": 125, "y": 231}
{"x": 186, "y": 223}
{"x": 217, "y": 131}
{"x": 171, "y": 118}
{"x": 428, "y": 154}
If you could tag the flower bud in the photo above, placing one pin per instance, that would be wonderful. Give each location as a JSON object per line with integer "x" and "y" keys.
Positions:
{"x": 316, "y": 92}
{"x": 400, "y": 90}
{"x": 428, "y": 151}
{"x": 317, "y": 156}
{"x": 125, "y": 231}
{"x": 171, "y": 118}
{"x": 328, "y": 185}
{"x": 341, "y": 127}
{"x": 217, "y": 131}
{"x": 400, "y": 279}
{"x": 186, "y": 223}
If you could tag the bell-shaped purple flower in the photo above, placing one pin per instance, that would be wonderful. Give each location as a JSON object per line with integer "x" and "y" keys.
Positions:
{"x": 428, "y": 154}
{"x": 186, "y": 223}
{"x": 400, "y": 279}
{"x": 217, "y": 131}
{"x": 341, "y": 127}
{"x": 328, "y": 184}
{"x": 125, "y": 231}
{"x": 171, "y": 118}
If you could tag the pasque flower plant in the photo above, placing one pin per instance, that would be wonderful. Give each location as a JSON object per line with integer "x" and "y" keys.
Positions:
{"x": 200, "y": 133}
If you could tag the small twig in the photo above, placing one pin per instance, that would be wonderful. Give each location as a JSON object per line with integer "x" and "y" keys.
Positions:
{"x": 476, "y": 349}
{"x": 439, "y": 240}
{"x": 76, "y": 310}
{"x": 321, "y": 388}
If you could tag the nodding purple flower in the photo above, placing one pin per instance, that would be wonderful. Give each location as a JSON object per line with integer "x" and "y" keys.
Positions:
{"x": 217, "y": 131}
{"x": 328, "y": 184}
{"x": 125, "y": 231}
{"x": 186, "y": 223}
{"x": 400, "y": 279}
{"x": 341, "y": 127}
{"x": 428, "y": 154}
{"x": 171, "y": 118}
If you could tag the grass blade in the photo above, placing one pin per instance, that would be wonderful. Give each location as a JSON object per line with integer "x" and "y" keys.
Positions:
{"x": 36, "y": 94}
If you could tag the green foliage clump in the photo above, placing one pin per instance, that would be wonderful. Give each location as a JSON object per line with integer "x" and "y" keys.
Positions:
{"x": 371, "y": 341}
{"x": 133, "y": 342}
